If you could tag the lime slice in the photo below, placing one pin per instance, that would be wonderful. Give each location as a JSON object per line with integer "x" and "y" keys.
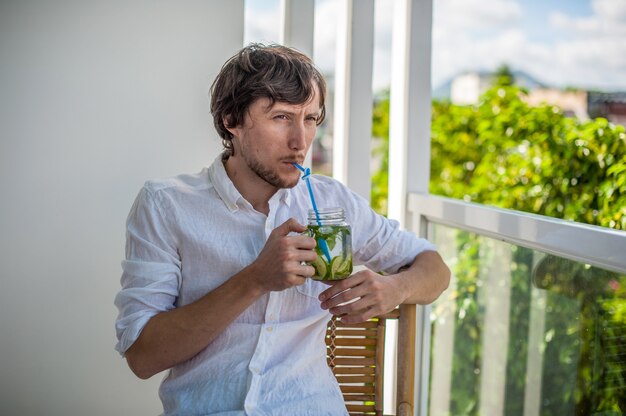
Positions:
{"x": 345, "y": 268}
{"x": 340, "y": 268}
{"x": 320, "y": 268}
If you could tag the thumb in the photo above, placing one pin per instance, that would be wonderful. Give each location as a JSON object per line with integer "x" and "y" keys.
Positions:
{"x": 291, "y": 225}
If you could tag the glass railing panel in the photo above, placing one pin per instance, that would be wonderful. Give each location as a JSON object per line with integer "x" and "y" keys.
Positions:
{"x": 521, "y": 332}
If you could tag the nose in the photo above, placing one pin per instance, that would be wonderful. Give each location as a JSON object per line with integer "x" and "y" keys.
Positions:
{"x": 297, "y": 136}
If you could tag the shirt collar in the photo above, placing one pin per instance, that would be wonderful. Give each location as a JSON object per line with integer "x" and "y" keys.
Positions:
{"x": 227, "y": 191}
{"x": 223, "y": 185}
{"x": 284, "y": 195}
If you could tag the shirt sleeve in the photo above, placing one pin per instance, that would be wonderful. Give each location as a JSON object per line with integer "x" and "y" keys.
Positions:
{"x": 151, "y": 272}
{"x": 378, "y": 242}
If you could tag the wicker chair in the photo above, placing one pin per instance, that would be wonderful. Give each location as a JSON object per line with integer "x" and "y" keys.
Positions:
{"x": 356, "y": 353}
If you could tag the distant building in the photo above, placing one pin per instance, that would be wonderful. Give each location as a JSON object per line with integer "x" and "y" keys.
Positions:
{"x": 572, "y": 103}
{"x": 466, "y": 89}
{"x": 610, "y": 105}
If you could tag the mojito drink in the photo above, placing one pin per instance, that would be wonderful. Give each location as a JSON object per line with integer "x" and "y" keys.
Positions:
{"x": 335, "y": 263}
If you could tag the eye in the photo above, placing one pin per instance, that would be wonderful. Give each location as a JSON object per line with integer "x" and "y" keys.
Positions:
{"x": 280, "y": 117}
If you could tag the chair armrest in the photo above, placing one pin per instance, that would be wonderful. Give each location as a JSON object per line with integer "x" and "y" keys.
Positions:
{"x": 404, "y": 409}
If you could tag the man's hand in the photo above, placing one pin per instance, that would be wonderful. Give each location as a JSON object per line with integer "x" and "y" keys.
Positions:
{"x": 369, "y": 294}
{"x": 280, "y": 265}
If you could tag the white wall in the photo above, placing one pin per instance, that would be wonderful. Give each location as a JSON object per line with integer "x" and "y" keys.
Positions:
{"x": 95, "y": 98}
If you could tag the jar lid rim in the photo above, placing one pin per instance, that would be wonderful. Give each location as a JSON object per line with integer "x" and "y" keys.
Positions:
{"x": 326, "y": 210}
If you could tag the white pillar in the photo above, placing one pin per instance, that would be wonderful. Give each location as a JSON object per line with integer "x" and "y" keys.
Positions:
{"x": 297, "y": 27}
{"x": 297, "y": 30}
{"x": 410, "y": 107}
{"x": 353, "y": 95}
{"x": 409, "y": 144}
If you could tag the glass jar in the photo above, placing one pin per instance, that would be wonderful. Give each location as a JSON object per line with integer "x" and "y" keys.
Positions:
{"x": 334, "y": 243}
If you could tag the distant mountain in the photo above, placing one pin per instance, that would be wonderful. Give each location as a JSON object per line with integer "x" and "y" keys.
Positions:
{"x": 527, "y": 81}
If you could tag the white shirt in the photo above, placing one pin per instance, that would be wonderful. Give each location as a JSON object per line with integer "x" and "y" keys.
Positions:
{"x": 186, "y": 236}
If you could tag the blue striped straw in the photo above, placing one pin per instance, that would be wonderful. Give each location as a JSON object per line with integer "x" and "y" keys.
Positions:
{"x": 305, "y": 177}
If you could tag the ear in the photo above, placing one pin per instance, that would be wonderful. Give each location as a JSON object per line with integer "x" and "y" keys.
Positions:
{"x": 228, "y": 124}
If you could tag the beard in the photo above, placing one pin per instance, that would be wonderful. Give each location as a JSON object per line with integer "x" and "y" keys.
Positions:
{"x": 269, "y": 175}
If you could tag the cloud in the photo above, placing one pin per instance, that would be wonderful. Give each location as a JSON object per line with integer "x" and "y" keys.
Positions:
{"x": 610, "y": 10}
{"x": 453, "y": 54}
{"x": 477, "y": 14}
{"x": 608, "y": 20}
{"x": 594, "y": 50}
{"x": 474, "y": 35}
{"x": 584, "y": 51}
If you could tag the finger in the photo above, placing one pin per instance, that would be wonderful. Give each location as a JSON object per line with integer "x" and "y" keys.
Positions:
{"x": 299, "y": 280}
{"x": 307, "y": 271}
{"x": 303, "y": 241}
{"x": 307, "y": 255}
{"x": 291, "y": 225}
{"x": 358, "y": 317}
{"x": 341, "y": 286}
{"x": 301, "y": 271}
{"x": 348, "y": 310}
{"x": 354, "y": 311}
{"x": 359, "y": 309}
{"x": 345, "y": 297}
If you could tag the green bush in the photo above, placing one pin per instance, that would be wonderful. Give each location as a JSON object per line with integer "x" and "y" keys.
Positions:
{"x": 505, "y": 153}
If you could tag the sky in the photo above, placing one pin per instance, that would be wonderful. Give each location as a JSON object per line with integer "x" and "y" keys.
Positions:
{"x": 560, "y": 43}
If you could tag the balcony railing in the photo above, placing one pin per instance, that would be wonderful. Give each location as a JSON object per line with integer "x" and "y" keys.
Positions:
{"x": 534, "y": 321}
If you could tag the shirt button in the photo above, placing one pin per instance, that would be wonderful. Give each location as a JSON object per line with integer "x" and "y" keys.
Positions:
{"x": 255, "y": 370}
{"x": 269, "y": 329}
{"x": 272, "y": 317}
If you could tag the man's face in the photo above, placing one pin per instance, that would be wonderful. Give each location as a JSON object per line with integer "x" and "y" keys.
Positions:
{"x": 273, "y": 137}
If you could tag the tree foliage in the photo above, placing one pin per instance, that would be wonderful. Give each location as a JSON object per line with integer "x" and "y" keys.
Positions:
{"x": 505, "y": 153}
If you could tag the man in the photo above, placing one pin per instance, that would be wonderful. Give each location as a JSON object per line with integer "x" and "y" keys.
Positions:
{"x": 215, "y": 284}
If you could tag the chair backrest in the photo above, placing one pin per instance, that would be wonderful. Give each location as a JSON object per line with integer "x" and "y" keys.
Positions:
{"x": 356, "y": 354}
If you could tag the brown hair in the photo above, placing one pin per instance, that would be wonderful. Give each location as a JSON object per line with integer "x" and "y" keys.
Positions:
{"x": 276, "y": 72}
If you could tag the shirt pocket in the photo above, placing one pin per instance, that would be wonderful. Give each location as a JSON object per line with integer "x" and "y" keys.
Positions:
{"x": 311, "y": 288}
